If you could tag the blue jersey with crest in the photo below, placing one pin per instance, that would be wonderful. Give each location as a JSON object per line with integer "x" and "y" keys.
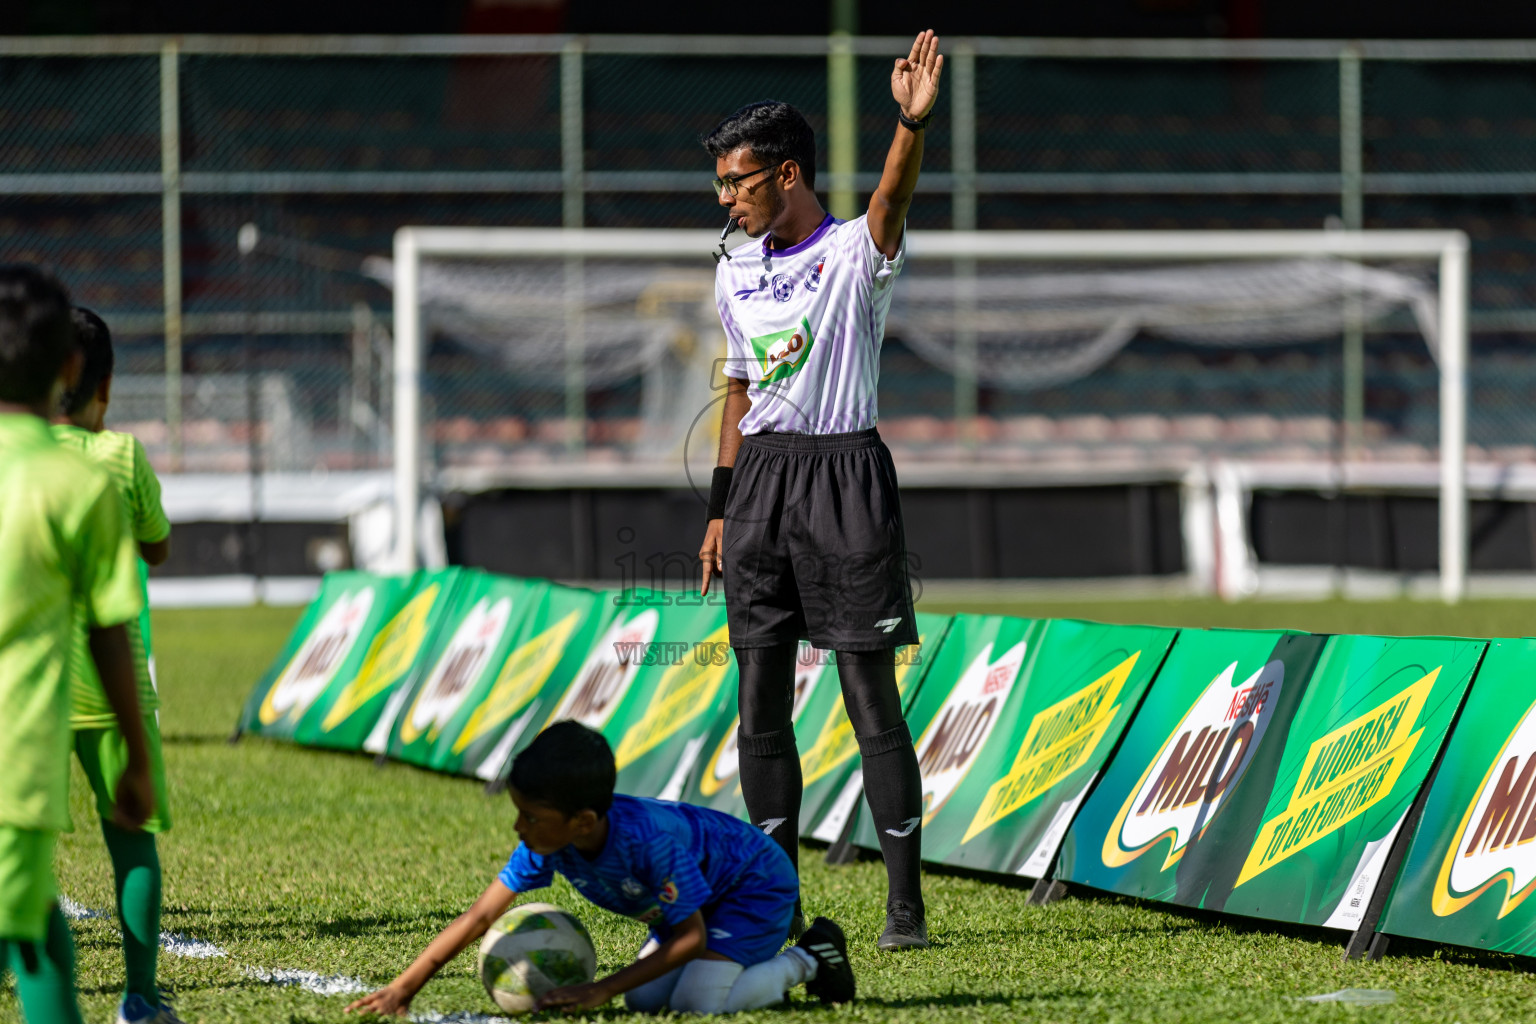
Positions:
{"x": 662, "y": 862}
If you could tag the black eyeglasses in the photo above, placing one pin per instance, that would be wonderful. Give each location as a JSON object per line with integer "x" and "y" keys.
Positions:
{"x": 732, "y": 183}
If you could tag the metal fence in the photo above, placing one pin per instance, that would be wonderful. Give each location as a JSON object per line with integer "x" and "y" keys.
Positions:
{"x": 129, "y": 164}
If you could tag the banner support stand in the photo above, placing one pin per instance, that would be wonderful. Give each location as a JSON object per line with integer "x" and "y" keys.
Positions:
{"x": 1046, "y": 890}
{"x": 1366, "y": 941}
{"x": 1362, "y": 942}
{"x": 843, "y": 851}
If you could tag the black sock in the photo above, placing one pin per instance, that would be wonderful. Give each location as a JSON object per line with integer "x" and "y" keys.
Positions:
{"x": 771, "y": 784}
{"x": 769, "y": 762}
{"x": 893, "y": 788}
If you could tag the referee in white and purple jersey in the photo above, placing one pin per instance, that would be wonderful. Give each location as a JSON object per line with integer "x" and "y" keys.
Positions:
{"x": 804, "y": 520}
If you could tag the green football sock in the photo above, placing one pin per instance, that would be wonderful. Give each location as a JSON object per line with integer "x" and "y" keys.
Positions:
{"x": 136, "y": 868}
{"x": 45, "y": 974}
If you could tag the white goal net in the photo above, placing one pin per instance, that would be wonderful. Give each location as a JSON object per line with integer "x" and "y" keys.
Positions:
{"x": 581, "y": 353}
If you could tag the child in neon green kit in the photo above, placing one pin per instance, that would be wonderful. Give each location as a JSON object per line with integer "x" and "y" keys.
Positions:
{"x": 64, "y": 551}
{"x": 98, "y": 742}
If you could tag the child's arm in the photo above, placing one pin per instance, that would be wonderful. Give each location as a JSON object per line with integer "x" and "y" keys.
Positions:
{"x": 149, "y": 518}
{"x": 134, "y": 800}
{"x": 688, "y": 941}
{"x": 155, "y": 552}
{"x": 395, "y": 997}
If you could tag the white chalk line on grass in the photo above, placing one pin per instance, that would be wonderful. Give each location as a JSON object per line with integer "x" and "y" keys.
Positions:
{"x": 172, "y": 942}
{"x": 180, "y": 945}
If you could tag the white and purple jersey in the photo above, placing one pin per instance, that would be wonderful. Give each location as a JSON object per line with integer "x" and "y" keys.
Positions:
{"x": 803, "y": 327}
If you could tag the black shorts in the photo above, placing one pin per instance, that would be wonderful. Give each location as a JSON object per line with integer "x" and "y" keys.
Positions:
{"x": 813, "y": 544}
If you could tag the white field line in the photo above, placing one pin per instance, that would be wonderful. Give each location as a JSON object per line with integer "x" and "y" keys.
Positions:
{"x": 177, "y": 944}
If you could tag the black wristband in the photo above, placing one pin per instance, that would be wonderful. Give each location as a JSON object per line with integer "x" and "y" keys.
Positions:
{"x": 911, "y": 125}
{"x": 719, "y": 487}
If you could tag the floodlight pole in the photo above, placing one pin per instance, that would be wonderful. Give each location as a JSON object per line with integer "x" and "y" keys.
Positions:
{"x": 407, "y": 417}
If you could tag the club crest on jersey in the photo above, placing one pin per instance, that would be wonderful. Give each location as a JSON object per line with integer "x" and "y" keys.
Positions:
{"x": 783, "y": 352}
{"x": 813, "y": 282}
{"x": 783, "y": 287}
{"x": 668, "y": 892}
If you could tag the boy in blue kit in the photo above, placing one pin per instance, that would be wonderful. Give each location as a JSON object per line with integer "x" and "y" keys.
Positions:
{"x": 717, "y": 894}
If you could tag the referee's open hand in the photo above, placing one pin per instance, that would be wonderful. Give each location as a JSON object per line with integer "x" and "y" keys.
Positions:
{"x": 709, "y": 555}
{"x": 915, "y": 78}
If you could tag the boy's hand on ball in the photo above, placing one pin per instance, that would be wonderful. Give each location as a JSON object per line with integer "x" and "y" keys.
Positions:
{"x": 571, "y": 998}
{"x": 387, "y": 1002}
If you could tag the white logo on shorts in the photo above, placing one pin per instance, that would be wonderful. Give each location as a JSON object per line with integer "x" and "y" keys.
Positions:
{"x": 889, "y": 624}
{"x": 719, "y": 933}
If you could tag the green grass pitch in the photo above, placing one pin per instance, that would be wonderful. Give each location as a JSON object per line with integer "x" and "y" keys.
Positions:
{"x": 303, "y": 860}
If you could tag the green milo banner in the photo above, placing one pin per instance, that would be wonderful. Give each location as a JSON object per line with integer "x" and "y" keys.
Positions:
{"x": 484, "y": 679}
{"x": 1471, "y": 863}
{"x": 657, "y": 680}
{"x": 359, "y": 639}
{"x": 823, "y": 734}
{"x": 1218, "y": 710}
{"x": 1013, "y": 725}
{"x": 1370, "y": 724}
{"x": 1279, "y": 792}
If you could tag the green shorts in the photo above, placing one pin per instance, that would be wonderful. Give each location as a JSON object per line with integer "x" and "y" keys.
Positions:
{"x": 27, "y": 888}
{"x": 103, "y": 754}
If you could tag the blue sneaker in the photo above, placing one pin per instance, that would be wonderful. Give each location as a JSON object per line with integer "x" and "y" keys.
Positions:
{"x": 135, "y": 1009}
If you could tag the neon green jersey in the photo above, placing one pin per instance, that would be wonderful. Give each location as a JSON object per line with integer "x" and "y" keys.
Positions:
{"x": 64, "y": 551}
{"x": 123, "y": 459}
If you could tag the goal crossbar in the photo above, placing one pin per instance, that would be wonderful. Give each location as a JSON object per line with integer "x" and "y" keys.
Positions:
{"x": 1449, "y": 249}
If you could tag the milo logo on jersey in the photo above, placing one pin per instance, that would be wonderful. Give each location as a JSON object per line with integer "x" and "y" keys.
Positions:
{"x": 609, "y": 670}
{"x": 1345, "y": 773}
{"x": 317, "y": 660}
{"x": 1183, "y": 789}
{"x": 1493, "y": 843}
{"x": 810, "y": 666}
{"x": 457, "y": 669}
{"x": 783, "y": 353}
{"x": 959, "y": 729}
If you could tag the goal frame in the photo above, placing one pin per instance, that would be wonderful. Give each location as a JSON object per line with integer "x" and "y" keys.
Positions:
{"x": 1449, "y": 248}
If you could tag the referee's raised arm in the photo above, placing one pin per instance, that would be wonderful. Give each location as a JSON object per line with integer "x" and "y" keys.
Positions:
{"x": 915, "y": 87}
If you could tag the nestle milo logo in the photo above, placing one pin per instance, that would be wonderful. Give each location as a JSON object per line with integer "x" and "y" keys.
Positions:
{"x": 1197, "y": 767}
{"x": 1493, "y": 843}
{"x": 783, "y": 353}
